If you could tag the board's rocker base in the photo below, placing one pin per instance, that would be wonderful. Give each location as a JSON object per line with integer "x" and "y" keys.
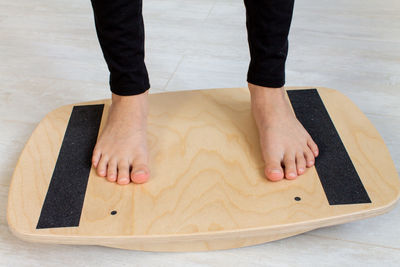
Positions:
{"x": 207, "y": 188}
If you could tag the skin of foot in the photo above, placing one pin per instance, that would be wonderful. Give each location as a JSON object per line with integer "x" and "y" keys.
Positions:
{"x": 287, "y": 148}
{"x": 120, "y": 153}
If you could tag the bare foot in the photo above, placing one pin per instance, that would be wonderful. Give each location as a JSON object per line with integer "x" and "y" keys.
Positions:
{"x": 284, "y": 141}
{"x": 121, "y": 150}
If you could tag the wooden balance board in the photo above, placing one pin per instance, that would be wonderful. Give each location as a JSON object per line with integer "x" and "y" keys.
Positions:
{"x": 207, "y": 188}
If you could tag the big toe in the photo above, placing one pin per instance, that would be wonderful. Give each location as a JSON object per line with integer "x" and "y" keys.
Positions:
{"x": 273, "y": 171}
{"x": 140, "y": 173}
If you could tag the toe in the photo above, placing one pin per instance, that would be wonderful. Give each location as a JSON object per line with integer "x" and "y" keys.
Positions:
{"x": 112, "y": 171}
{"x": 290, "y": 166}
{"x": 123, "y": 172}
{"x": 140, "y": 173}
{"x": 313, "y": 146}
{"x": 102, "y": 166}
{"x": 309, "y": 157}
{"x": 300, "y": 163}
{"x": 273, "y": 169}
{"x": 96, "y": 157}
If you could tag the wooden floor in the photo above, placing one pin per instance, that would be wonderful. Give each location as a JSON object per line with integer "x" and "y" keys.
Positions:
{"x": 49, "y": 56}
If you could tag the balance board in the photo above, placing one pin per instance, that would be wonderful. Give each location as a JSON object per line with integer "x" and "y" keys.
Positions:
{"x": 207, "y": 188}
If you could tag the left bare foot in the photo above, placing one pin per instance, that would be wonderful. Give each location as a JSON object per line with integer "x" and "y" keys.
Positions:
{"x": 283, "y": 139}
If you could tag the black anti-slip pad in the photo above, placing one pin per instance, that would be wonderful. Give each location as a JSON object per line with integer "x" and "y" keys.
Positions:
{"x": 339, "y": 178}
{"x": 64, "y": 199}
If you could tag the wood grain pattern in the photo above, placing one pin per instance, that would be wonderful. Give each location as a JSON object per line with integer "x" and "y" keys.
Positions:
{"x": 207, "y": 190}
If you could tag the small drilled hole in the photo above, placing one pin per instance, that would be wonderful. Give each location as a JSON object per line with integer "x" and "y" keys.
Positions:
{"x": 297, "y": 198}
{"x": 113, "y": 212}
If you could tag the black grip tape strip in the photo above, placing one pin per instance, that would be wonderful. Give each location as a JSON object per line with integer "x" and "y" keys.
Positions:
{"x": 338, "y": 176}
{"x": 63, "y": 204}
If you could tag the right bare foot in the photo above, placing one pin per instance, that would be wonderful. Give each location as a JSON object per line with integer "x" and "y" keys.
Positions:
{"x": 121, "y": 150}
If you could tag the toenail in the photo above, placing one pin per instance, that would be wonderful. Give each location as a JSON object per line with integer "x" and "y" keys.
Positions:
{"x": 124, "y": 179}
{"x": 275, "y": 171}
{"x": 292, "y": 174}
{"x": 301, "y": 170}
{"x": 139, "y": 172}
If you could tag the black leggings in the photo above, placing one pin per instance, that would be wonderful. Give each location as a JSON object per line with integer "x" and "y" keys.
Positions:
{"x": 120, "y": 30}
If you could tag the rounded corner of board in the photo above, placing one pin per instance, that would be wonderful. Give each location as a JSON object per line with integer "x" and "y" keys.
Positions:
{"x": 390, "y": 205}
{"x": 20, "y": 234}
{"x": 397, "y": 197}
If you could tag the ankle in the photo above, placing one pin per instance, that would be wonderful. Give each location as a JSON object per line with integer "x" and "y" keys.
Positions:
{"x": 259, "y": 87}
{"x": 138, "y": 104}
{"x": 129, "y": 98}
{"x": 256, "y": 90}
{"x": 265, "y": 95}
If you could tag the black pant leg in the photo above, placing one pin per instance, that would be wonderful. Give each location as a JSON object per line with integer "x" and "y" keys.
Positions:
{"x": 268, "y": 23}
{"x": 120, "y": 30}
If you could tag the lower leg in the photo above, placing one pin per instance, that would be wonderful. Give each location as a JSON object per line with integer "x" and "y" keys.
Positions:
{"x": 120, "y": 30}
{"x": 284, "y": 141}
{"x": 268, "y": 24}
